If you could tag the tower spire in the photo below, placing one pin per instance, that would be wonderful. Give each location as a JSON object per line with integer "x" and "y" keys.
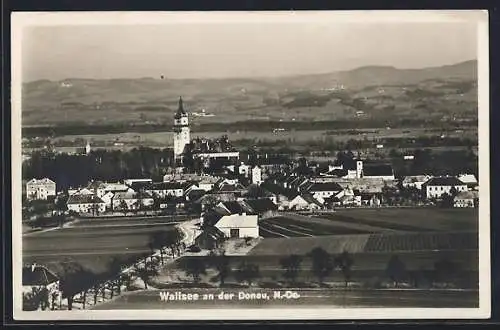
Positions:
{"x": 180, "y": 109}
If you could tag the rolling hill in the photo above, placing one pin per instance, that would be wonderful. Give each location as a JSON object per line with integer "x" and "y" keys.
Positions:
{"x": 149, "y": 100}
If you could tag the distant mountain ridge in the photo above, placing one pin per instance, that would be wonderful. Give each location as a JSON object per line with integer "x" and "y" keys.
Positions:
{"x": 95, "y": 100}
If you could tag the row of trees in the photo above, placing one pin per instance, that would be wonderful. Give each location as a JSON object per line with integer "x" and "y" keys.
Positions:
{"x": 75, "y": 279}
{"x": 322, "y": 266}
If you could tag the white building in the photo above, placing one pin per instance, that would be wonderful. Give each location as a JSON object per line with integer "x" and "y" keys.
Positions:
{"x": 466, "y": 199}
{"x": 40, "y": 189}
{"x": 438, "y": 186}
{"x": 415, "y": 181}
{"x": 323, "y": 190}
{"x": 86, "y": 204}
{"x": 469, "y": 179}
{"x": 304, "y": 202}
{"x": 163, "y": 189}
{"x": 244, "y": 170}
{"x": 256, "y": 175}
{"x": 238, "y": 225}
{"x": 133, "y": 200}
{"x": 181, "y": 130}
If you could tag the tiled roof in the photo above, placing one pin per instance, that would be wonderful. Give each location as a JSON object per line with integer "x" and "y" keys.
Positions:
{"x": 261, "y": 205}
{"x": 84, "y": 199}
{"x": 38, "y": 276}
{"x": 40, "y": 181}
{"x": 377, "y": 170}
{"x": 165, "y": 186}
{"x": 467, "y": 195}
{"x": 444, "y": 181}
{"x": 325, "y": 186}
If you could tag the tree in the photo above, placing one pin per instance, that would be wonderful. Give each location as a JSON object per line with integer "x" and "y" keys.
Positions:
{"x": 124, "y": 206}
{"x": 291, "y": 267}
{"x": 74, "y": 280}
{"x": 396, "y": 270}
{"x": 146, "y": 271}
{"x": 344, "y": 262}
{"x": 220, "y": 261}
{"x": 194, "y": 267}
{"x": 247, "y": 273}
{"x": 322, "y": 264}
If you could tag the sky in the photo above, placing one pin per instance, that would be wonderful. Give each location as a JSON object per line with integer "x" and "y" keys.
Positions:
{"x": 248, "y": 49}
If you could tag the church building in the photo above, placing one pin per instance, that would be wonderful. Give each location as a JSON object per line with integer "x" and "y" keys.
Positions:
{"x": 181, "y": 131}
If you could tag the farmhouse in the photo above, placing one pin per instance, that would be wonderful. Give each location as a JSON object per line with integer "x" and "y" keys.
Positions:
{"x": 36, "y": 279}
{"x": 87, "y": 204}
{"x": 132, "y": 200}
{"x": 231, "y": 219}
{"x": 40, "y": 189}
{"x": 466, "y": 199}
{"x": 378, "y": 171}
{"x": 163, "y": 189}
{"x": 415, "y": 181}
{"x": 438, "y": 186}
{"x": 304, "y": 202}
{"x": 469, "y": 179}
{"x": 264, "y": 207}
{"x": 324, "y": 190}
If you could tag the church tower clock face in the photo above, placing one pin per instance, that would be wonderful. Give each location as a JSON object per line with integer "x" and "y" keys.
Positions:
{"x": 181, "y": 130}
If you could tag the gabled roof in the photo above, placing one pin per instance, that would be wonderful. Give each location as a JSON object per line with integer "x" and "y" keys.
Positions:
{"x": 338, "y": 172}
{"x": 309, "y": 199}
{"x": 415, "y": 178}
{"x": 96, "y": 185}
{"x": 84, "y": 199}
{"x": 444, "y": 181}
{"x": 165, "y": 186}
{"x": 233, "y": 207}
{"x": 41, "y": 181}
{"x": 231, "y": 187}
{"x": 261, "y": 205}
{"x": 324, "y": 186}
{"x": 140, "y": 185}
{"x": 377, "y": 170}
{"x": 467, "y": 195}
{"x": 38, "y": 276}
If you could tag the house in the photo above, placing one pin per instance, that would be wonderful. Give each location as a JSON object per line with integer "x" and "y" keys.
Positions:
{"x": 347, "y": 197}
{"x": 256, "y": 175}
{"x": 264, "y": 207}
{"x": 97, "y": 188}
{"x": 469, "y": 179}
{"x": 163, "y": 189}
{"x": 323, "y": 190}
{"x": 415, "y": 181}
{"x": 86, "y": 204}
{"x": 231, "y": 219}
{"x": 133, "y": 200}
{"x": 129, "y": 182}
{"x": 209, "y": 238}
{"x": 370, "y": 199}
{"x": 304, "y": 202}
{"x": 378, "y": 171}
{"x": 107, "y": 198}
{"x": 466, "y": 199}
{"x": 436, "y": 187}
{"x": 38, "y": 280}
{"x": 80, "y": 191}
{"x": 244, "y": 170}
{"x": 40, "y": 189}
{"x": 207, "y": 182}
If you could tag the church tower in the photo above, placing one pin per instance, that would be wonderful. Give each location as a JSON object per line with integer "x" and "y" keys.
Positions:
{"x": 181, "y": 130}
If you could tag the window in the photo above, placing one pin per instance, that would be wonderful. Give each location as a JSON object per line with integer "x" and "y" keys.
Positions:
{"x": 234, "y": 233}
